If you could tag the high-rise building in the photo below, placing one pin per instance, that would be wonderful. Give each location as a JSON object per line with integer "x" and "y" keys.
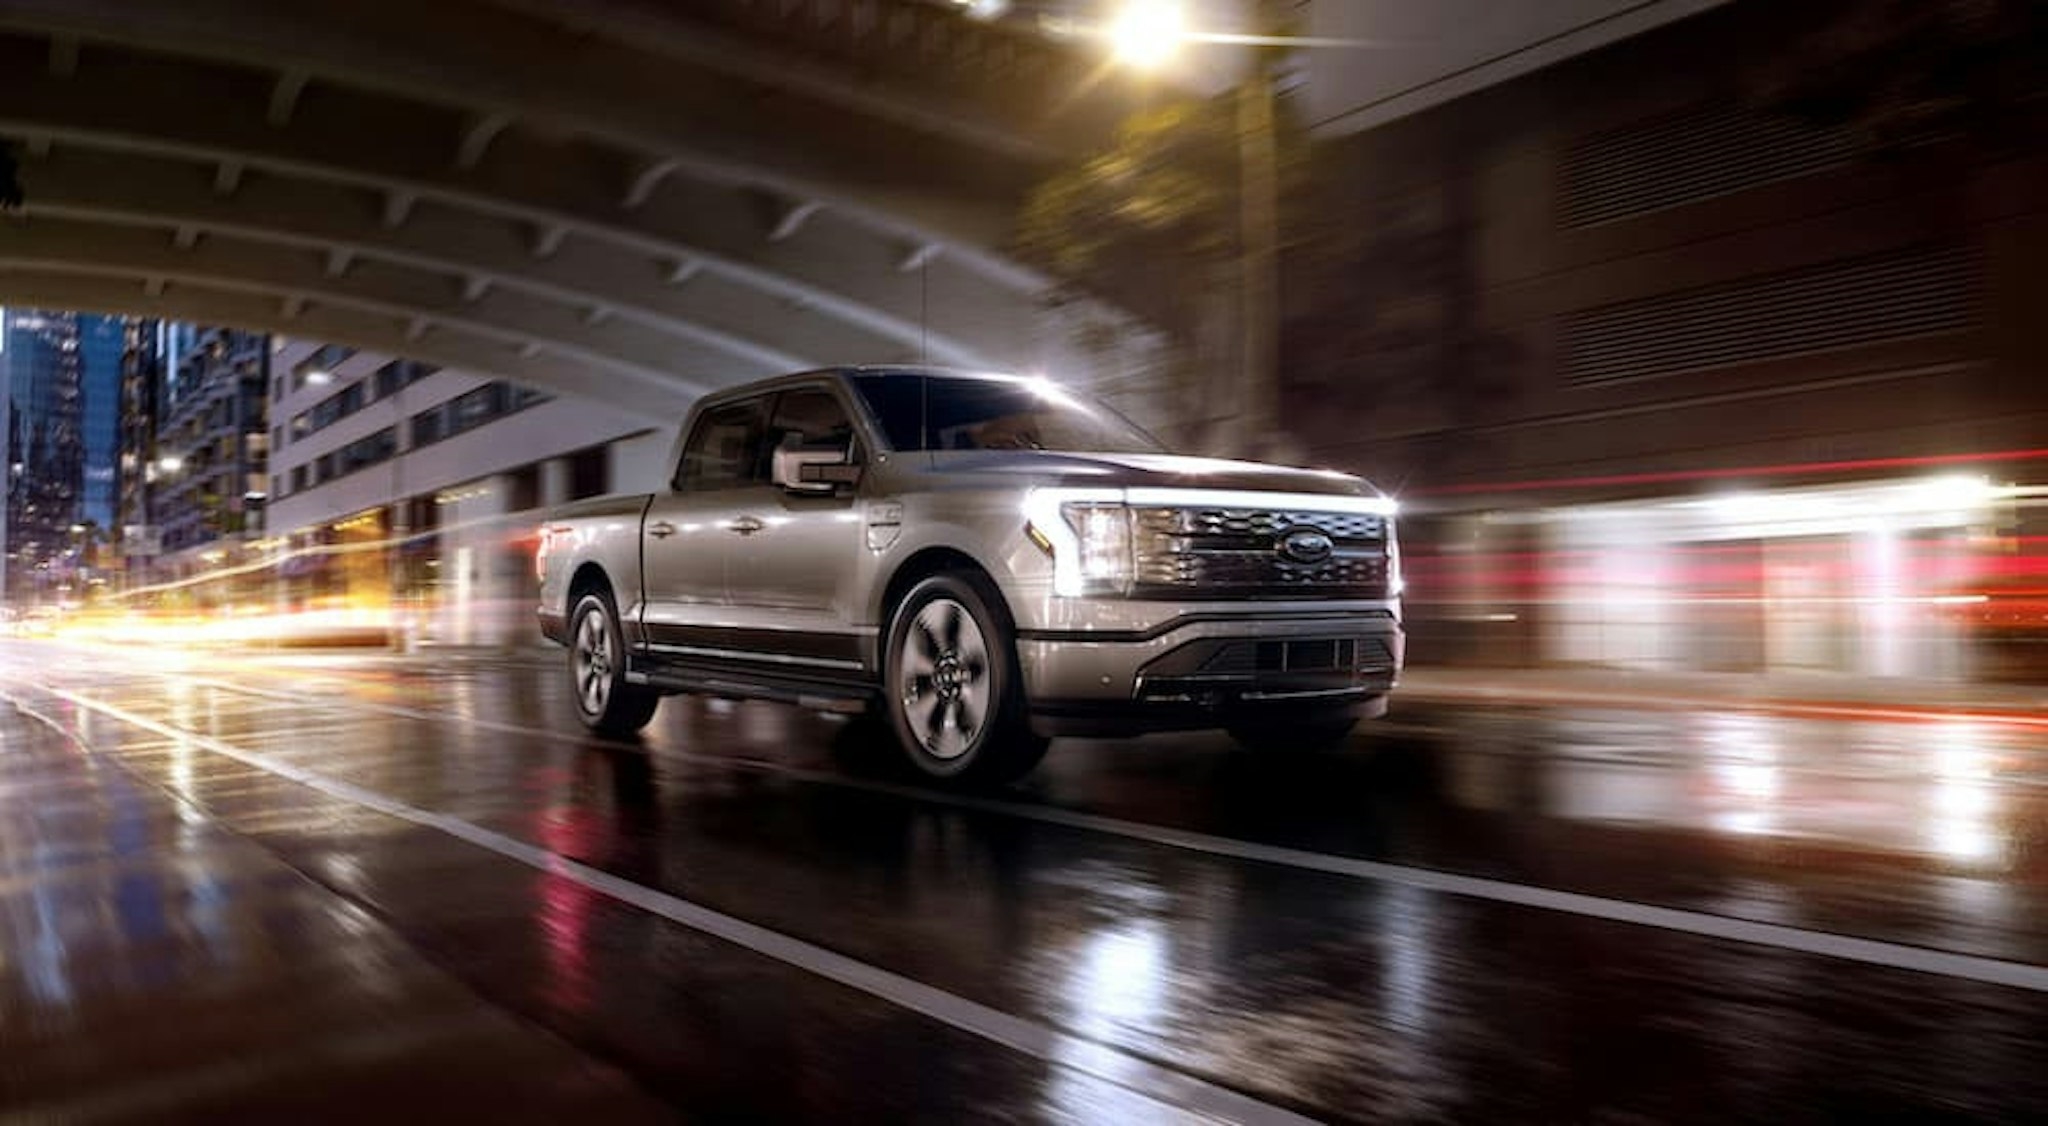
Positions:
{"x": 101, "y": 343}
{"x": 142, "y": 371}
{"x": 45, "y": 451}
{"x": 212, "y": 441}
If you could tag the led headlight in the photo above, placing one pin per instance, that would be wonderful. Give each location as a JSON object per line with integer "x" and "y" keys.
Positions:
{"x": 1395, "y": 582}
{"x": 1088, "y": 534}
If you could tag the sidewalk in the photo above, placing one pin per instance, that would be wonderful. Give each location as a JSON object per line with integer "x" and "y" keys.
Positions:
{"x": 1817, "y": 694}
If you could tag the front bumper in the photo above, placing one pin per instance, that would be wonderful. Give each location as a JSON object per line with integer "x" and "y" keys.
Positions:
{"x": 1210, "y": 670}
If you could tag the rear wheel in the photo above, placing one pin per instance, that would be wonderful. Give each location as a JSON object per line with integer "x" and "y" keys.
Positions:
{"x": 1317, "y": 733}
{"x": 605, "y": 702}
{"x": 954, "y": 695}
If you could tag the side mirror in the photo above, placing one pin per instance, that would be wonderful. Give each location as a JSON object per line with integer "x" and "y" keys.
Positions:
{"x": 813, "y": 472}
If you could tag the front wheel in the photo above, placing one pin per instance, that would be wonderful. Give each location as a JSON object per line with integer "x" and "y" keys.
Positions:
{"x": 955, "y": 698}
{"x": 605, "y": 701}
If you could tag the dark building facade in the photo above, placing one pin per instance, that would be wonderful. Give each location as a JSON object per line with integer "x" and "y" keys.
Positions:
{"x": 46, "y": 451}
{"x": 1677, "y": 373}
{"x": 211, "y": 473}
{"x": 142, "y": 372}
{"x": 102, "y": 342}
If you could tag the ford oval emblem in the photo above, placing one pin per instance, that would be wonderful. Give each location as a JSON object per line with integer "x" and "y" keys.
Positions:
{"x": 1306, "y": 545}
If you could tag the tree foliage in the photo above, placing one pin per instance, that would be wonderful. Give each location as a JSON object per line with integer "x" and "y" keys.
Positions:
{"x": 1136, "y": 222}
{"x": 1150, "y": 223}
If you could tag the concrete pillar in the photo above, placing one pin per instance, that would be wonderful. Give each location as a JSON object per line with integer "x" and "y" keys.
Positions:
{"x": 554, "y": 482}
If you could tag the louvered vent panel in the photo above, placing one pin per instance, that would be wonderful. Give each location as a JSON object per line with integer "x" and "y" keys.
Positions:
{"x": 1843, "y": 305}
{"x": 1689, "y": 157}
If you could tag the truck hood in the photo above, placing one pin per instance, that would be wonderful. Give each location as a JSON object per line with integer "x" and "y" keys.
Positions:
{"x": 1040, "y": 467}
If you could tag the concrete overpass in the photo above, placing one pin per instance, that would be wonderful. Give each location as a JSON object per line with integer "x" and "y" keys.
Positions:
{"x": 629, "y": 199}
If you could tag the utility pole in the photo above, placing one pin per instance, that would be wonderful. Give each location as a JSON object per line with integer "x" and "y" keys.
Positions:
{"x": 1259, "y": 335}
{"x": 1259, "y": 234}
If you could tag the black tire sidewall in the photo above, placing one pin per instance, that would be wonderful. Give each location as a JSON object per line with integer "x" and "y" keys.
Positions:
{"x": 1001, "y": 729}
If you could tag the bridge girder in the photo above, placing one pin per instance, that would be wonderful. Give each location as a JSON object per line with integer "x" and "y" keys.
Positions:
{"x": 341, "y": 155}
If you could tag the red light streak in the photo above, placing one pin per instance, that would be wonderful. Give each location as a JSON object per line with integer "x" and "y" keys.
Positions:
{"x": 1793, "y": 470}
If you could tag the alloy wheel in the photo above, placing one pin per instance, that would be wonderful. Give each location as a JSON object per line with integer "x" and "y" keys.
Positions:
{"x": 943, "y": 678}
{"x": 594, "y": 663}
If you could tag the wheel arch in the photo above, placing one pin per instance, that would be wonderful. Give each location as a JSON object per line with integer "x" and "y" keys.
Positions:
{"x": 588, "y": 577}
{"x": 933, "y": 560}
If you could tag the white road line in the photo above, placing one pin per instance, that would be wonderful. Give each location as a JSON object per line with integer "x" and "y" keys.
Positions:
{"x": 1892, "y": 955}
{"x": 1164, "y": 1084}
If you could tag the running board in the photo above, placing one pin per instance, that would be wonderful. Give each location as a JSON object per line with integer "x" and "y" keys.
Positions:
{"x": 844, "y": 697}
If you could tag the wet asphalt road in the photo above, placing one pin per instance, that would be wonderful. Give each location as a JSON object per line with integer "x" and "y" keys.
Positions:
{"x": 337, "y": 886}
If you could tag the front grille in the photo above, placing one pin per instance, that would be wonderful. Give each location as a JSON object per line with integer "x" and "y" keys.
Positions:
{"x": 1238, "y": 523}
{"x": 1235, "y": 553}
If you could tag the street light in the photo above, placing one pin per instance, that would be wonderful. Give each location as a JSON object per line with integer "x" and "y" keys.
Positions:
{"x": 1146, "y": 33}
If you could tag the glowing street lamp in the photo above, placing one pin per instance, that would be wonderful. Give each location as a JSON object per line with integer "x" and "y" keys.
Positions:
{"x": 1147, "y": 33}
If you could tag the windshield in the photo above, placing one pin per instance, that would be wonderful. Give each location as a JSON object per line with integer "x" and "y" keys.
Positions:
{"x": 975, "y": 413}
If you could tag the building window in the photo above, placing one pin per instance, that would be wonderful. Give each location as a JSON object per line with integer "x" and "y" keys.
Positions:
{"x": 470, "y": 410}
{"x": 474, "y": 408}
{"x": 401, "y": 373}
{"x": 429, "y": 426}
{"x": 325, "y": 359}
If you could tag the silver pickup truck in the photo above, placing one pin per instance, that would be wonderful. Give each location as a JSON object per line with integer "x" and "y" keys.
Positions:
{"x": 985, "y": 562}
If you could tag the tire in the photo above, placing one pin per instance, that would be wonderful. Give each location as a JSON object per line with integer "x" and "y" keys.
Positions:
{"x": 949, "y": 675}
{"x": 605, "y": 702}
{"x": 1320, "y": 733}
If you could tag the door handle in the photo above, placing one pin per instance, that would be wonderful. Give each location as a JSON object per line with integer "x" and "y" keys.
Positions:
{"x": 746, "y": 525}
{"x": 661, "y": 529}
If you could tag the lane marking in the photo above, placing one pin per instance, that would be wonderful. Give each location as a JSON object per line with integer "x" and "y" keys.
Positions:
{"x": 1112, "y": 1065}
{"x": 1876, "y": 952}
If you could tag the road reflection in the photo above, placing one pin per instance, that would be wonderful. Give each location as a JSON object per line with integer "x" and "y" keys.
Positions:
{"x": 1931, "y": 791}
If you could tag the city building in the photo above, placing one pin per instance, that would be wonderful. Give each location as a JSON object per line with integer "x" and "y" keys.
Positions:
{"x": 45, "y": 454}
{"x": 142, "y": 375}
{"x": 63, "y": 374}
{"x": 102, "y": 343}
{"x": 392, "y": 476}
{"x": 209, "y": 479}
{"x": 1682, "y": 361}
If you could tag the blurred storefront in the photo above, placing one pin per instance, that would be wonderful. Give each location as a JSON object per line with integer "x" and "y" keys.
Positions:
{"x": 1931, "y": 576}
